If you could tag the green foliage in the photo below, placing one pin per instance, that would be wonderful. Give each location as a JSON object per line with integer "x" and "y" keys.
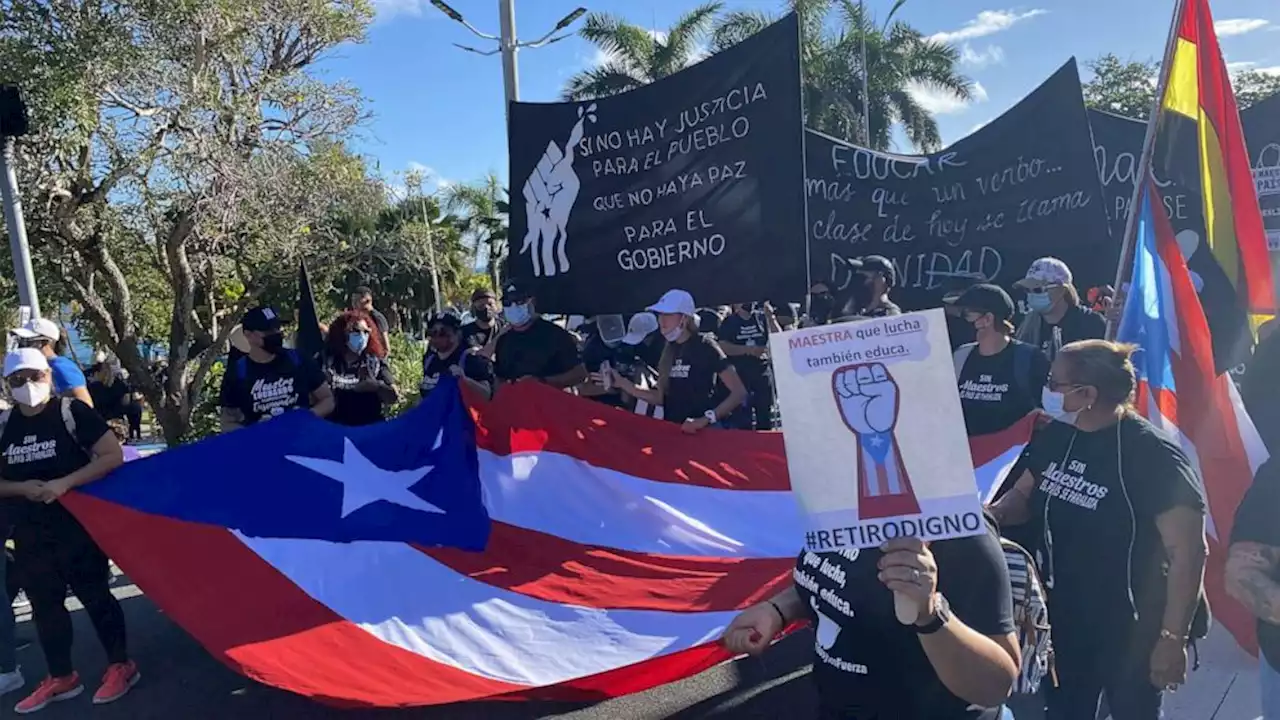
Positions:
{"x": 1129, "y": 87}
{"x": 205, "y": 416}
{"x": 406, "y": 364}
{"x": 481, "y": 210}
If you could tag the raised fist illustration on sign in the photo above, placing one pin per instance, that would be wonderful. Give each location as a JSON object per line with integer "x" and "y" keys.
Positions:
{"x": 549, "y": 194}
{"x": 828, "y": 630}
{"x": 867, "y": 396}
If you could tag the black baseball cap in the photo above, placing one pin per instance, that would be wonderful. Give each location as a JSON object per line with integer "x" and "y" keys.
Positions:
{"x": 882, "y": 265}
{"x": 953, "y": 286}
{"x": 515, "y": 293}
{"x": 987, "y": 298}
{"x": 483, "y": 294}
{"x": 261, "y": 319}
{"x": 447, "y": 319}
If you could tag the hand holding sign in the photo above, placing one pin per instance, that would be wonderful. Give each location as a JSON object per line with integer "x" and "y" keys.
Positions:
{"x": 909, "y": 570}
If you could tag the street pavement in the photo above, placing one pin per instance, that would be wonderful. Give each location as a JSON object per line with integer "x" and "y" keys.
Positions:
{"x": 181, "y": 681}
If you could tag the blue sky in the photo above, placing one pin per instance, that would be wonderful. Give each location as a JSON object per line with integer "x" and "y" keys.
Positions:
{"x": 438, "y": 107}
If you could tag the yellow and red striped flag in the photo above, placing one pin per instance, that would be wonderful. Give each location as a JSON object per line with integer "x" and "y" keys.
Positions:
{"x": 1199, "y": 111}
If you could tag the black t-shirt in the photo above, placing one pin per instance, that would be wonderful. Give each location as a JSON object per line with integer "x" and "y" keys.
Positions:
{"x": 110, "y": 401}
{"x": 541, "y": 350}
{"x": 1256, "y": 521}
{"x": 751, "y": 331}
{"x": 474, "y": 336}
{"x": 1261, "y": 390}
{"x": 992, "y": 394}
{"x": 381, "y": 321}
{"x": 696, "y": 365}
{"x": 352, "y": 407}
{"x": 1104, "y": 559}
{"x": 1080, "y": 323}
{"x": 40, "y": 447}
{"x": 435, "y": 366}
{"x": 868, "y": 666}
{"x": 272, "y": 388}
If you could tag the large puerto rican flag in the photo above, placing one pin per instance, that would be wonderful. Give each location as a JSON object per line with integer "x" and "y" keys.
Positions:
{"x": 340, "y": 563}
{"x": 1180, "y": 391}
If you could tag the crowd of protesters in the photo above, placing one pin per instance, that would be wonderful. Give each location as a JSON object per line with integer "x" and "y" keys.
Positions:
{"x": 1120, "y": 562}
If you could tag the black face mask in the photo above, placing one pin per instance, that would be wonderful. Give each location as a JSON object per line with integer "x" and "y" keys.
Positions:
{"x": 484, "y": 314}
{"x": 863, "y": 293}
{"x": 273, "y": 343}
{"x": 820, "y": 305}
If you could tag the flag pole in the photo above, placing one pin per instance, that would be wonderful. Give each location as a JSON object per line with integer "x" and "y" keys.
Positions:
{"x": 1144, "y": 164}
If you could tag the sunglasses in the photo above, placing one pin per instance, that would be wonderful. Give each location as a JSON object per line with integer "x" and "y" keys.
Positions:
{"x": 440, "y": 333}
{"x": 20, "y": 380}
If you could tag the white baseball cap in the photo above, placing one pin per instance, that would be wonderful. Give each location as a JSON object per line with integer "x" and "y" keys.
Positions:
{"x": 25, "y": 359}
{"x": 639, "y": 327}
{"x": 675, "y": 302}
{"x": 1046, "y": 272}
{"x": 39, "y": 328}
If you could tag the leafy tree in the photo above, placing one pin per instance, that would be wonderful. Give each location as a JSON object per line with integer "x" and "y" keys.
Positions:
{"x": 481, "y": 208}
{"x": 899, "y": 59}
{"x": 1123, "y": 87}
{"x": 1129, "y": 87}
{"x": 185, "y": 156}
{"x": 637, "y": 56}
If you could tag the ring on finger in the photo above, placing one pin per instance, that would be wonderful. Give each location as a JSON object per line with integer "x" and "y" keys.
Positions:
{"x": 915, "y": 576}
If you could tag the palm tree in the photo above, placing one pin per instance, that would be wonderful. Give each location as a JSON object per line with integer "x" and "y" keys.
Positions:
{"x": 481, "y": 208}
{"x": 899, "y": 57}
{"x": 637, "y": 56}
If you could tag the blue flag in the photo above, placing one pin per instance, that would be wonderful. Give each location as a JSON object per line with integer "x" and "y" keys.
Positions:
{"x": 413, "y": 479}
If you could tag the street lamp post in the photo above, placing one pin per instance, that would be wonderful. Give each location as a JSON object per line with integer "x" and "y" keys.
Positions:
{"x": 13, "y": 124}
{"x": 508, "y": 44}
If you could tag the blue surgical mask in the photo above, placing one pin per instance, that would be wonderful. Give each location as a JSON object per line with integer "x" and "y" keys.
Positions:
{"x": 1039, "y": 302}
{"x": 357, "y": 341}
{"x": 1054, "y": 404}
{"x": 517, "y": 314}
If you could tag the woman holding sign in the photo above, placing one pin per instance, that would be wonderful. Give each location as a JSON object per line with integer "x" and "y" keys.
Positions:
{"x": 689, "y": 369}
{"x": 959, "y": 659}
{"x": 1124, "y": 548}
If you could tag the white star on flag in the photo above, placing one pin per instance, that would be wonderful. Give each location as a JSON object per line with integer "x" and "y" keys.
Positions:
{"x": 364, "y": 483}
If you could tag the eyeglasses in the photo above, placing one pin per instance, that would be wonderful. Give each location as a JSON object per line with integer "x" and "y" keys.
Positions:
{"x": 20, "y": 380}
{"x": 440, "y": 333}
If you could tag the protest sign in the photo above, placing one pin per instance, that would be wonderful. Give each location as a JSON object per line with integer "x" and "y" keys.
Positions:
{"x": 875, "y": 438}
{"x": 695, "y": 181}
{"x": 1261, "y": 124}
{"x": 1021, "y": 187}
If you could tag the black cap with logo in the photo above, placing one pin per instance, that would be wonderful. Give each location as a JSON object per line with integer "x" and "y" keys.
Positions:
{"x": 261, "y": 319}
{"x": 987, "y": 298}
{"x": 880, "y": 264}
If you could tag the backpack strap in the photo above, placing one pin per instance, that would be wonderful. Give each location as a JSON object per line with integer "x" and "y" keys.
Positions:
{"x": 961, "y": 356}
{"x": 68, "y": 418}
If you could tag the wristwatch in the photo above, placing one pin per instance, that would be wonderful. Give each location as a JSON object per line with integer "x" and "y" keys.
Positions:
{"x": 941, "y": 616}
{"x": 711, "y": 417}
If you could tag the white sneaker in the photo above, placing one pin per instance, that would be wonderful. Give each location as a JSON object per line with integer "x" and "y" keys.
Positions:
{"x": 11, "y": 681}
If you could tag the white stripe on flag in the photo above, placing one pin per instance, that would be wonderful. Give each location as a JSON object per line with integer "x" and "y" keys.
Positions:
{"x": 407, "y": 599}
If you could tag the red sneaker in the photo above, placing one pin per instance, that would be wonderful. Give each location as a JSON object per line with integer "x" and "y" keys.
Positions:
{"x": 50, "y": 690}
{"x": 117, "y": 682}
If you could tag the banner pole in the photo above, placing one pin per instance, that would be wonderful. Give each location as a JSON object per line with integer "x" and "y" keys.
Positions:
{"x": 1144, "y": 164}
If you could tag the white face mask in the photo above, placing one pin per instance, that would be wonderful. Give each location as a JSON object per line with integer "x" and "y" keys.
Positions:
{"x": 673, "y": 334}
{"x": 32, "y": 394}
{"x": 1054, "y": 403}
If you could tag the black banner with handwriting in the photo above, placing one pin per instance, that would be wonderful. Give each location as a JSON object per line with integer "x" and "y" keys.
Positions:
{"x": 1022, "y": 187}
{"x": 694, "y": 182}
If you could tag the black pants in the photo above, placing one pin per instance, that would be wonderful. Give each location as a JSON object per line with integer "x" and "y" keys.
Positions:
{"x": 51, "y": 555}
{"x": 759, "y": 401}
{"x": 133, "y": 413}
{"x": 1094, "y": 660}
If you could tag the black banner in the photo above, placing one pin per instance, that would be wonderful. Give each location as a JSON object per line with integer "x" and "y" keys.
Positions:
{"x": 692, "y": 182}
{"x": 1262, "y": 134}
{"x": 1021, "y": 187}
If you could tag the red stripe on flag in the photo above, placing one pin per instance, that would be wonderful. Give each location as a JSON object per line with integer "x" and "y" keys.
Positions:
{"x": 550, "y": 568}
{"x": 260, "y": 624}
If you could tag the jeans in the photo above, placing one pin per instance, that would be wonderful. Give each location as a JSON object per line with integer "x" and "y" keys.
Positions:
{"x": 51, "y": 557}
{"x": 8, "y": 627}
{"x": 1269, "y": 679}
{"x": 1097, "y": 660}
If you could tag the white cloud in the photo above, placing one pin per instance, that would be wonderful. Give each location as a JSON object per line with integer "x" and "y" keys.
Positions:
{"x": 988, "y": 22}
{"x": 942, "y": 102}
{"x": 1239, "y": 26}
{"x": 390, "y": 8}
{"x": 1274, "y": 70}
{"x": 1235, "y": 67}
{"x": 978, "y": 59}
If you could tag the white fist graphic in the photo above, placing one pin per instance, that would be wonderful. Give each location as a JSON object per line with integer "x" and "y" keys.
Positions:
{"x": 868, "y": 398}
{"x": 549, "y": 195}
{"x": 828, "y": 629}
